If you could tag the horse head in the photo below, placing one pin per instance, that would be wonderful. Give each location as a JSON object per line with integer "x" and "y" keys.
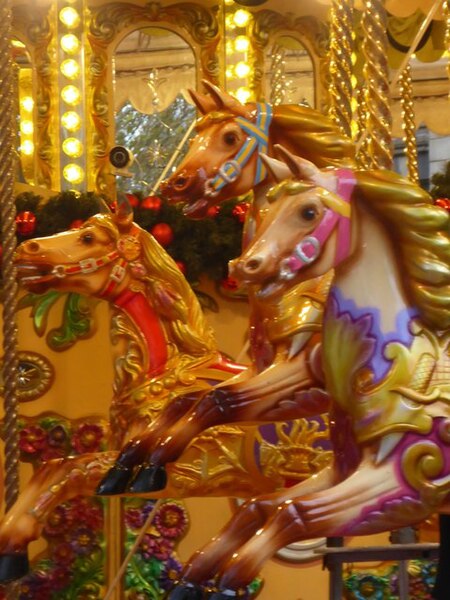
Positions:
{"x": 223, "y": 160}
{"x": 305, "y": 232}
{"x": 99, "y": 259}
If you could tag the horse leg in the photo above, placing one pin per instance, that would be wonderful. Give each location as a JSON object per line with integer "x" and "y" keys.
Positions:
{"x": 55, "y": 482}
{"x": 281, "y": 392}
{"x": 250, "y": 517}
{"x": 372, "y": 500}
{"x": 135, "y": 451}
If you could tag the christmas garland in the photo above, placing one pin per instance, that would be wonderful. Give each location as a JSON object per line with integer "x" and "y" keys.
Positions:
{"x": 202, "y": 247}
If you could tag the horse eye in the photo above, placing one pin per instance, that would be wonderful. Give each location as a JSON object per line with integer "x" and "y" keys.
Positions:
{"x": 230, "y": 138}
{"x": 87, "y": 238}
{"x": 308, "y": 213}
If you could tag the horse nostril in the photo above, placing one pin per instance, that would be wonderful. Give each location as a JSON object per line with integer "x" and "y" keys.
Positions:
{"x": 253, "y": 264}
{"x": 32, "y": 246}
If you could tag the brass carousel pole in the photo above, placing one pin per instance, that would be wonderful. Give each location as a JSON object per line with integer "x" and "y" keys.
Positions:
{"x": 341, "y": 49}
{"x": 8, "y": 241}
{"x": 409, "y": 124}
{"x": 376, "y": 76}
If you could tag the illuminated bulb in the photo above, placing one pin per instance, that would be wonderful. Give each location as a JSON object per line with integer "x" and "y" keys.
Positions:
{"x": 69, "y": 17}
{"x": 70, "y": 94}
{"x": 70, "y": 43}
{"x": 27, "y": 147}
{"x": 73, "y": 173}
{"x": 242, "y": 69}
{"x": 243, "y": 94}
{"x": 229, "y": 22}
{"x": 70, "y": 68}
{"x": 26, "y": 127}
{"x": 72, "y": 147}
{"x": 241, "y": 43}
{"x": 241, "y": 17}
{"x": 27, "y": 103}
{"x": 71, "y": 120}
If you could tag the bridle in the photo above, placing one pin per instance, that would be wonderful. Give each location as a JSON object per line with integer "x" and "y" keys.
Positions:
{"x": 257, "y": 141}
{"x": 310, "y": 247}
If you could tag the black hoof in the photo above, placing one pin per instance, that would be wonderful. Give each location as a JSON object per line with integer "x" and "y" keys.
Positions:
{"x": 225, "y": 595}
{"x": 186, "y": 591}
{"x": 115, "y": 481}
{"x": 149, "y": 478}
{"x": 13, "y": 566}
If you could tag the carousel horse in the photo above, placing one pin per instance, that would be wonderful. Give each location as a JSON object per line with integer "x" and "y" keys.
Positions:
{"x": 224, "y": 162}
{"x": 385, "y": 354}
{"x": 165, "y": 353}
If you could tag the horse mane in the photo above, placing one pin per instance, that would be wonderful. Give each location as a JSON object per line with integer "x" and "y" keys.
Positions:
{"x": 170, "y": 294}
{"x": 421, "y": 231}
{"x": 310, "y": 134}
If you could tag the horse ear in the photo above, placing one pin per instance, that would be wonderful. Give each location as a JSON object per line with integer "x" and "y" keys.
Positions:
{"x": 123, "y": 216}
{"x": 204, "y": 103}
{"x": 299, "y": 167}
{"x": 225, "y": 100}
{"x": 277, "y": 169}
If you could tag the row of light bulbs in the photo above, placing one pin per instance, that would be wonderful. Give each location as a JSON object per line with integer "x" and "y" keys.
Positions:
{"x": 71, "y": 94}
{"x": 237, "y": 49}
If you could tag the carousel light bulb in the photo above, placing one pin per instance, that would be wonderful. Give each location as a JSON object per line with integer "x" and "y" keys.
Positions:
{"x": 27, "y": 103}
{"x": 73, "y": 173}
{"x": 72, "y": 147}
{"x": 70, "y": 68}
{"x": 241, "y": 17}
{"x": 70, "y": 94}
{"x": 69, "y": 17}
{"x": 71, "y": 120}
{"x": 26, "y": 127}
{"x": 242, "y": 69}
{"x": 229, "y": 22}
{"x": 241, "y": 43}
{"x": 27, "y": 147}
{"x": 70, "y": 43}
{"x": 243, "y": 94}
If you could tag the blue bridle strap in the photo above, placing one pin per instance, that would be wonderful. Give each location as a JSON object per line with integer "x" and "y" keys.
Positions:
{"x": 258, "y": 140}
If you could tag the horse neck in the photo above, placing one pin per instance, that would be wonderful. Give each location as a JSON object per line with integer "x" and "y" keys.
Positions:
{"x": 369, "y": 285}
{"x": 149, "y": 328}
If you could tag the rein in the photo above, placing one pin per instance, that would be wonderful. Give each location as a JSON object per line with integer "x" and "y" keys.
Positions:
{"x": 308, "y": 250}
{"x": 257, "y": 140}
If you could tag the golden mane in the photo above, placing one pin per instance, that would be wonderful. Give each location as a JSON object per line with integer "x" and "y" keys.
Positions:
{"x": 421, "y": 231}
{"x": 170, "y": 293}
{"x": 311, "y": 135}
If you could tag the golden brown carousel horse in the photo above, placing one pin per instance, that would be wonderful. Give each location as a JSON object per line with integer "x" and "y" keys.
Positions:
{"x": 385, "y": 355}
{"x": 165, "y": 354}
{"x": 224, "y": 162}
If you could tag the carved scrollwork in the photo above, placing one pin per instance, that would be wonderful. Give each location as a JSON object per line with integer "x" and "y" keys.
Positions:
{"x": 268, "y": 25}
{"x": 34, "y": 28}
{"x": 197, "y": 24}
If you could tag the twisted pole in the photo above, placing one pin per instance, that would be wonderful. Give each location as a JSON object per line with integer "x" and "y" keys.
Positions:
{"x": 8, "y": 241}
{"x": 341, "y": 49}
{"x": 409, "y": 123}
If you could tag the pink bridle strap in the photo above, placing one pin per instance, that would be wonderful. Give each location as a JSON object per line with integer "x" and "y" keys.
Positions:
{"x": 307, "y": 251}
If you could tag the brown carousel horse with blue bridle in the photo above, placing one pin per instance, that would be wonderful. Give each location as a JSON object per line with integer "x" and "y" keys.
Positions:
{"x": 283, "y": 383}
{"x": 385, "y": 354}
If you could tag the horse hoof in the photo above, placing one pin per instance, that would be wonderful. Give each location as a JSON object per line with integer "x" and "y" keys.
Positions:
{"x": 13, "y": 566}
{"x": 115, "y": 481}
{"x": 225, "y": 595}
{"x": 186, "y": 591}
{"x": 149, "y": 478}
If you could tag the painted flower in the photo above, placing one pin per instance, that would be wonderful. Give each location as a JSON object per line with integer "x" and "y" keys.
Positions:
{"x": 171, "y": 573}
{"x": 58, "y": 521}
{"x": 134, "y": 518}
{"x": 367, "y": 587}
{"x": 35, "y": 587}
{"x": 157, "y": 547}
{"x": 171, "y": 520}
{"x": 63, "y": 554}
{"x": 83, "y": 540}
{"x": 87, "y": 438}
{"x": 32, "y": 439}
{"x": 59, "y": 577}
{"x": 57, "y": 436}
{"x": 86, "y": 511}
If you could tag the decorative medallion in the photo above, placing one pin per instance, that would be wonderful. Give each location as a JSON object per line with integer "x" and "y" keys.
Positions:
{"x": 35, "y": 375}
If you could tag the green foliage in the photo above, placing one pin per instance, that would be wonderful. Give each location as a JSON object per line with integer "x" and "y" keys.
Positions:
{"x": 440, "y": 187}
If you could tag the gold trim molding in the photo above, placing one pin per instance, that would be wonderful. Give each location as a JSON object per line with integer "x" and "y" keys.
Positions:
{"x": 196, "y": 24}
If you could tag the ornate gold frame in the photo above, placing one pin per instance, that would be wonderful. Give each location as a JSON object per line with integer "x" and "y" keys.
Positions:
{"x": 196, "y": 24}
{"x": 312, "y": 33}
